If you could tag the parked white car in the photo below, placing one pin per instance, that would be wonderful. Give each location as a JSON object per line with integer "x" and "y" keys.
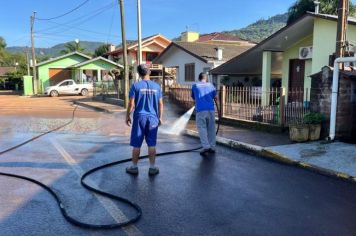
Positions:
{"x": 67, "y": 87}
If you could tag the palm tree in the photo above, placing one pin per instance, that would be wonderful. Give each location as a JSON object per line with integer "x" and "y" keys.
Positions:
{"x": 300, "y": 7}
{"x": 72, "y": 47}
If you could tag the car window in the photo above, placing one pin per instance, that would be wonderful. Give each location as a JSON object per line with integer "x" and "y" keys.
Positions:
{"x": 66, "y": 83}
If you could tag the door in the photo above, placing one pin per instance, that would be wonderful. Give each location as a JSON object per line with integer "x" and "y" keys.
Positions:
{"x": 58, "y": 75}
{"x": 66, "y": 87}
{"x": 296, "y": 80}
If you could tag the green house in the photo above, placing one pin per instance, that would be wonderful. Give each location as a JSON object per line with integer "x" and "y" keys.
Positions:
{"x": 287, "y": 58}
{"x": 77, "y": 66}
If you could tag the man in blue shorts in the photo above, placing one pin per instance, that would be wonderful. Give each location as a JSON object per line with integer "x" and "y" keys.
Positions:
{"x": 147, "y": 103}
{"x": 204, "y": 94}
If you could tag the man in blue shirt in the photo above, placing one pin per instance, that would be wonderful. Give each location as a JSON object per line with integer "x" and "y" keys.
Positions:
{"x": 204, "y": 94}
{"x": 147, "y": 103}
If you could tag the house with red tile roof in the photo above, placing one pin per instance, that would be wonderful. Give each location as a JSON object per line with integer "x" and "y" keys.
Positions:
{"x": 152, "y": 46}
{"x": 222, "y": 38}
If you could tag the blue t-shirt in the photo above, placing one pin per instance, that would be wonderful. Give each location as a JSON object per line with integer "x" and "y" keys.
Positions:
{"x": 204, "y": 93}
{"x": 146, "y": 94}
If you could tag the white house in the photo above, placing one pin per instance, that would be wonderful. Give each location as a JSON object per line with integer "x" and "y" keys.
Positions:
{"x": 192, "y": 58}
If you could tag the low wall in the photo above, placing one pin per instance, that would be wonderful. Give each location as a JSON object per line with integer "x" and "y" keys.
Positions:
{"x": 114, "y": 101}
{"x": 320, "y": 99}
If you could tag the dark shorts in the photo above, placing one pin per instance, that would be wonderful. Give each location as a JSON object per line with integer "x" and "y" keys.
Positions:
{"x": 144, "y": 127}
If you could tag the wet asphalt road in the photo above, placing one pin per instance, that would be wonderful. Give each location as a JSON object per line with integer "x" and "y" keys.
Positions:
{"x": 231, "y": 193}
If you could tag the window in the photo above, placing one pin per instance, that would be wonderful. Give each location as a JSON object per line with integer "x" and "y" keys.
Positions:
{"x": 66, "y": 83}
{"x": 150, "y": 56}
{"x": 206, "y": 69}
{"x": 189, "y": 72}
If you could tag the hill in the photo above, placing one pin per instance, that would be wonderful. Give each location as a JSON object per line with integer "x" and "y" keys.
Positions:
{"x": 261, "y": 29}
{"x": 55, "y": 50}
{"x": 255, "y": 32}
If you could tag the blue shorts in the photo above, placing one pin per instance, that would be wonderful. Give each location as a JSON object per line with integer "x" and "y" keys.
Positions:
{"x": 144, "y": 127}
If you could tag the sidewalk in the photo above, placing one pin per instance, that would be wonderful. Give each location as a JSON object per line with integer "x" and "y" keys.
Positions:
{"x": 335, "y": 159}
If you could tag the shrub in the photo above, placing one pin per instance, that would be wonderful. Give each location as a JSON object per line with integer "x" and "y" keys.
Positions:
{"x": 313, "y": 118}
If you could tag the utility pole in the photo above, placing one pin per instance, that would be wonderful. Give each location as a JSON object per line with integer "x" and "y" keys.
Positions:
{"x": 35, "y": 86}
{"x": 28, "y": 61}
{"x": 139, "y": 55}
{"x": 343, "y": 11}
{"x": 124, "y": 49}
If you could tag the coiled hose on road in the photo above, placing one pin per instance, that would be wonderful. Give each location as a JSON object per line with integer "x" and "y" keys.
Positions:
{"x": 87, "y": 186}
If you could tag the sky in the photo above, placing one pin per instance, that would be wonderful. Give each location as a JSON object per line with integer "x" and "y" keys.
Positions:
{"x": 99, "y": 20}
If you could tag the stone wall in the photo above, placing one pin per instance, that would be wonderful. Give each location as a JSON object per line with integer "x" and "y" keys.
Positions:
{"x": 320, "y": 101}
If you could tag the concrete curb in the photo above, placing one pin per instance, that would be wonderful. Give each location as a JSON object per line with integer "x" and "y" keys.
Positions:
{"x": 308, "y": 166}
{"x": 266, "y": 153}
{"x": 95, "y": 108}
{"x": 229, "y": 142}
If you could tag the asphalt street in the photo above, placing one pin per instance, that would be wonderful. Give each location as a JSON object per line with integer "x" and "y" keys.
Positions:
{"x": 230, "y": 193}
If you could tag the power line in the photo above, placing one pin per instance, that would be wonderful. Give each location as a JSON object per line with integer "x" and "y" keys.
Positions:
{"x": 69, "y": 37}
{"x": 83, "y": 18}
{"x": 110, "y": 27}
{"x": 64, "y": 14}
{"x": 74, "y": 27}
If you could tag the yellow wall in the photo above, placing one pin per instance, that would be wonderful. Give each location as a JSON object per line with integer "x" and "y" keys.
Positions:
{"x": 324, "y": 41}
{"x": 189, "y": 36}
{"x": 293, "y": 53}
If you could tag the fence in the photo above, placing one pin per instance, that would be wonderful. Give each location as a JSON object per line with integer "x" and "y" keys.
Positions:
{"x": 253, "y": 104}
{"x": 109, "y": 89}
{"x": 297, "y": 106}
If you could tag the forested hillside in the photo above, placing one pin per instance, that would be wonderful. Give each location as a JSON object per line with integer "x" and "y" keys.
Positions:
{"x": 261, "y": 29}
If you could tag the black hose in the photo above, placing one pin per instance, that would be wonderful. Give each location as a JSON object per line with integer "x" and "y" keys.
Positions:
{"x": 91, "y": 188}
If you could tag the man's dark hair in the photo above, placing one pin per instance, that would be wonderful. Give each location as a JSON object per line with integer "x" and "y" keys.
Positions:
{"x": 202, "y": 75}
{"x": 143, "y": 70}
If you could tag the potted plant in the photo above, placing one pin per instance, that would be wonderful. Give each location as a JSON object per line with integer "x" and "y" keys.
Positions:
{"x": 298, "y": 132}
{"x": 313, "y": 120}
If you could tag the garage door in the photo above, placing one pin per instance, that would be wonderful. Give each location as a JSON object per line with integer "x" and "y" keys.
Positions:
{"x": 58, "y": 75}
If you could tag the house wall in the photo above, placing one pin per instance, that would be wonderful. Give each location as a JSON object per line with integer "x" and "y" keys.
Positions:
{"x": 157, "y": 45}
{"x": 43, "y": 71}
{"x": 99, "y": 66}
{"x": 178, "y": 58}
{"x": 293, "y": 53}
{"x": 324, "y": 41}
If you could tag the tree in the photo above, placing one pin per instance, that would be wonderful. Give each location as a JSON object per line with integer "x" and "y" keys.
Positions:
{"x": 300, "y": 7}
{"x": 3, "y": 53}
{"x": 2, "y": 43}
{"x": 101, "y": 50}
{"x": 72, "y": 47}
{"x": 12, "y": 59}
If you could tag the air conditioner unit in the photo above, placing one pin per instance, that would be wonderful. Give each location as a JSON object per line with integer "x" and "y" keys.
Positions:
{"x": 305, "y": 52}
